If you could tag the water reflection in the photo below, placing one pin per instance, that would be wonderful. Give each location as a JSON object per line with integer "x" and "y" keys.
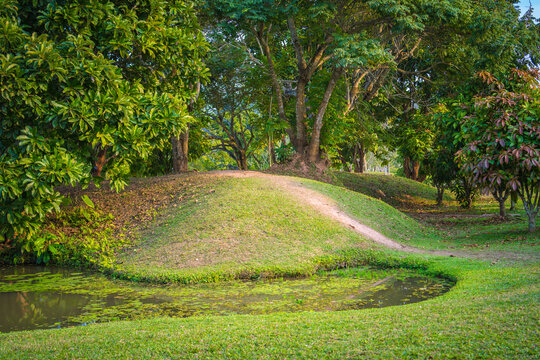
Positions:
{"x": 28, "y": 310}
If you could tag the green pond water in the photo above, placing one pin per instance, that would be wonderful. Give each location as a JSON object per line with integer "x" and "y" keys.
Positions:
{"x": 34, "y": 297}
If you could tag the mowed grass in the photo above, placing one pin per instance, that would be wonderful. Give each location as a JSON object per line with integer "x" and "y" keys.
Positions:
{"x": 491, "y": 313}
{"x": 237, "y": 227}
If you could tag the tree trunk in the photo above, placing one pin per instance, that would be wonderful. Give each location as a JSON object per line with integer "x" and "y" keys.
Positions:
{"x": 411, "y": 168}
{"x": 242, "y": 161}
{"x": 513, "y": 200}
{"x": 415, "y": 170}
{"x": 313, "y": 151}
{"x": 502, "y": 207}
{"x": 273, "y": 154}
{"x": 440, "y": 195}
{"x": 531, "y": 208}
{"x": 501, "y": 194}
{"x": 306, "y": 69}
{"x": 274, "y": 78}
{"x": 180, "y": 152}
{"x": 359, "y": 158}
{"x": 101, "y": 160}
{"x": 300, "y": 142}
{"x": 407, "y": 167}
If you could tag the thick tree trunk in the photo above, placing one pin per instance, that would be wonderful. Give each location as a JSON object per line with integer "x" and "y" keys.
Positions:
{"x": 532, "y": 222}
{"x": 275, "y": 81}
{"x": 411, "y": 168}
{"x": 440, "y": 195}
{"x": 407, "y": 167}
{"x": 242, "y": 160}
{"x": 313, "y": 151}
{"x": 180, "y": 152}
{"x": 359, "y": 158}
{"x": 306, "y": 69}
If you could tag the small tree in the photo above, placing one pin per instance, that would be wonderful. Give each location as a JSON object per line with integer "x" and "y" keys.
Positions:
{"x": 440, "y": 165}
{"x": 234, "y": 133}
{"x": 503, "y": 139}
{"x": 233, "y": 110}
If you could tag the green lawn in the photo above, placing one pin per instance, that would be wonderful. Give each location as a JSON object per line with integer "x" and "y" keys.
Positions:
{"x": 491, "y": 313}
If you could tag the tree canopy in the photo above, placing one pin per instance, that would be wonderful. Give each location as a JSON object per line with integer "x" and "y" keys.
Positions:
{"x": 87, "y": 87}
{"x": 369, "y": 47}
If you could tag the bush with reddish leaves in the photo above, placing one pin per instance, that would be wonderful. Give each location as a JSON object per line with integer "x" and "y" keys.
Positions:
{"x": 502, "y": 132}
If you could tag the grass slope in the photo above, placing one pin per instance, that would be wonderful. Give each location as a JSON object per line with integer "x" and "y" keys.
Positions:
{"x": 491, "y": 313}
{"x": 495, "y": 238}
{"x": 394, "y": 190}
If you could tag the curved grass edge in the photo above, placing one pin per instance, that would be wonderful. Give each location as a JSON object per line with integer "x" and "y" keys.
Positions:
{"x": 340, "y": 259}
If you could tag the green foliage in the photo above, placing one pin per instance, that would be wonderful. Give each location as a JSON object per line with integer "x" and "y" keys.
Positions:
{"x": 284, "y": 152}
{"x": 86, "y": 84}
{"x": 83, "y": 236}
{"x": 416, "y": 134}
{"x": 235, "y": 121}
{"x": 465, "y": 191}
{"x": 442, "y": 163}
{"x": 360, "y": 51}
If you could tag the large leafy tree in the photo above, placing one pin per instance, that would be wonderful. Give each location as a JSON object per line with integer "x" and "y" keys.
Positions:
{"x": 362, "y": 43}
{"x": 87, "y": 87}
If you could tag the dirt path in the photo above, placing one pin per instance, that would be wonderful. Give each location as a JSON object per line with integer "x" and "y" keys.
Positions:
{"x": 329, "y": 208}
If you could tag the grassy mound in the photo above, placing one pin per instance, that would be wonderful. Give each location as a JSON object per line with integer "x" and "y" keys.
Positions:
{"x": 238, "y": 228}
{"x": 203, "y": 228}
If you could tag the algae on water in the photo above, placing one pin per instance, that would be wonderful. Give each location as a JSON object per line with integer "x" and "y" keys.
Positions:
{"x": 34, "y": 297}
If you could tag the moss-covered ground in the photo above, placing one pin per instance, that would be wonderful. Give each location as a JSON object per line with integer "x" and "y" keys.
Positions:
{"x": 491, "y": 313}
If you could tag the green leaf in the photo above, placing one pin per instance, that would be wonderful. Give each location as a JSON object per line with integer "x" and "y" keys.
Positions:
{"x": 87, "y": 201}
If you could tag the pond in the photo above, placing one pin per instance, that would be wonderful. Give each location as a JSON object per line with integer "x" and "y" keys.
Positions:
{"x": 34, "y": 297}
